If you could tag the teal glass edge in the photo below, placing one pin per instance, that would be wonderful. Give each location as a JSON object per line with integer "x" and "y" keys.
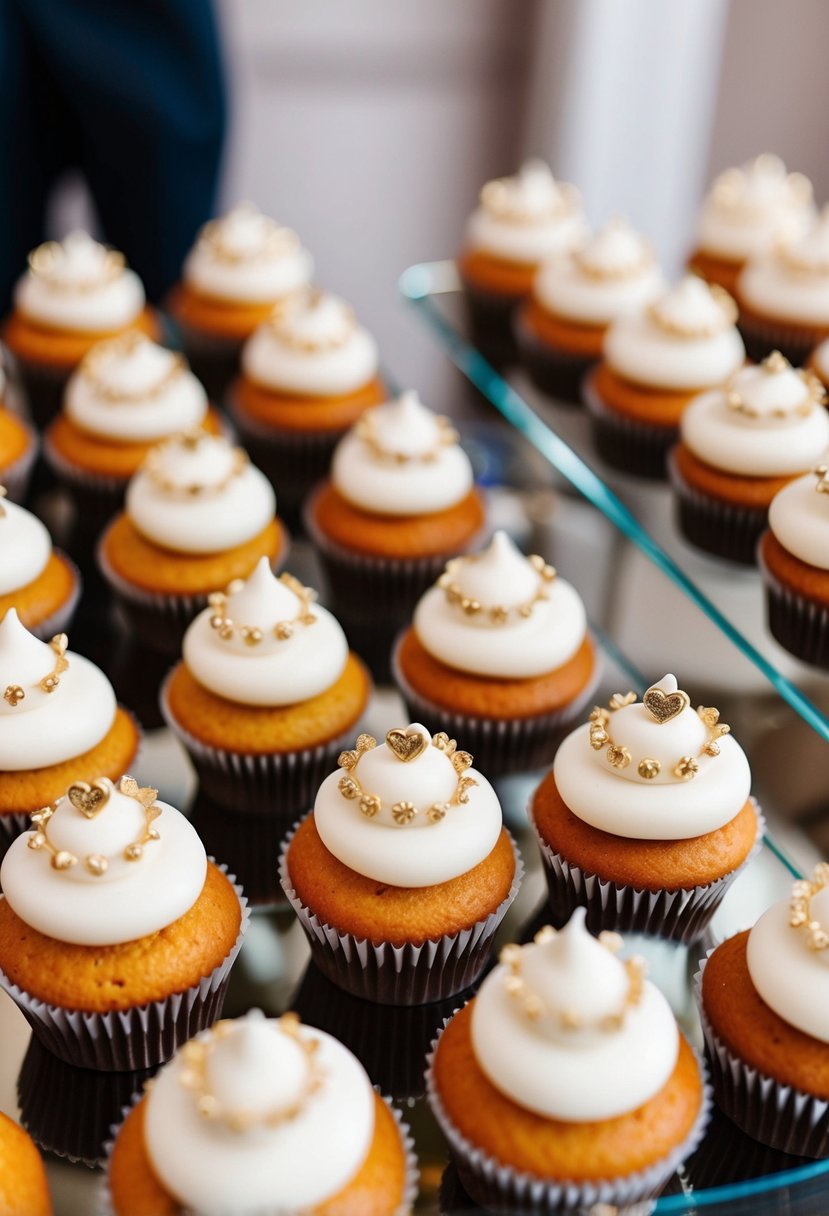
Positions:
{"x": 417, "y": 284}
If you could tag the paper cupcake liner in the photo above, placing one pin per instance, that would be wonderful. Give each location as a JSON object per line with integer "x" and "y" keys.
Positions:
{"x": 131, "y": 1039}
{"x": 390, "y": 1042}
{"x": 681, "y": 915}
{"x": 158, "y": 620}
{"x": 628, "y": 444}
{"x": 778, "y": 1115}
{"x": 399, "y": 975}
{"x": 44, "y": 387}
{"x": 453, "y": 1200}
{"x": 411, "y": 1172}
{"x": 799, "y": 624}
{"x": 723, "y": 529}
{"x": 248, "y": 843}
{"x": 15, "y": 476}
{"x": 70, "y": 1111}
{"x": 762, "y": 335}
{"x": 279, "y": 784}
{"x": 213, "y": 360}
{"x": 489, "y": 318}
{"x": 499, "y": 745}
{"x": 499, "y": 1188}
{"x": 59, "y": 621}
{"x": 556, "y": 373}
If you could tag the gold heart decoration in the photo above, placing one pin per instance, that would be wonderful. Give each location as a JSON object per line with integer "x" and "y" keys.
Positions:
{"x": 89, "y": 799}
{"x": 663, "y": 706}
{"x": 407, "y": 744}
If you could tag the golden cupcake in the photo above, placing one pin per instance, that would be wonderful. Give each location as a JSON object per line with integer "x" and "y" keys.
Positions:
{"x": 38, "y": 581}
{"x": 24, "y": 1190}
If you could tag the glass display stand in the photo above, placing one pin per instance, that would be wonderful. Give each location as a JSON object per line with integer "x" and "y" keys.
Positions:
{"x": 547, "y": 492}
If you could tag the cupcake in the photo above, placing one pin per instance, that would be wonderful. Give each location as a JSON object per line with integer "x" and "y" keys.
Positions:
{"x": 74, "y": 293}
{"x": 198, "y": 515}
{"x": 519, "y": 222}
{"x": 262, "y": 1115}
{"x": 746, "y": 211}
{"x": 794, "y": 561}
{"x": 601, "y": 816}
{"x": 499, "y": 655}
{"x": 764, "y": 1004}
{"x": 566, "y": 1082}
{"x": 739, "y": 446}
{"x": 308, "y": 373}
{"x": 575, "y": 296}
{"x": 265, "y": 696}
{"x": 60, "y": 721}
{"x": 117, "y": 934}
{"x": 400, "y": 502}
{"x": 24, "y": 1190}
{"x": 38, "y": 581}
{"x": 655, "y": 362}
{"x": 241, "y": 266}
{"x": 783, "y": 295}
{"x": 403, "y": 871}
{"x": 127, "y": 395}
{"x": 18, "y": 447}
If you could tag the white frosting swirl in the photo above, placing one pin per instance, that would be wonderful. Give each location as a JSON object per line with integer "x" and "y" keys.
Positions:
{"x": 792, "y": 281}
{"x": 620, "y": 800}
{"x": 422, "y": 853}
{"x": 132, "y": 899}
{"x": 131, "y": 390}
{"x": 234, "y": 502}
{"x": 750, "y": 207}
{"x": 25, "y": 547}
{"x": 396, "y": 461}
{"x": 685, "y": 340}
{"x": 253, "y": 1067}
{"x": 312, "y": 346}
{"x": 612, "y": 273}
{"x": 48, "y": 728}
{"x": 578, "y": 1075}
{"x": 77, "y": 284}
{"x": 791, "y": 977}
{"x": 528, "y": 217}
{"x": 522, "y": 646}
{"x": 273, "y": 672}
{"x": 799, "y": 518}
{"x": 768, "y": 422}
{"x": 245, "y": 257}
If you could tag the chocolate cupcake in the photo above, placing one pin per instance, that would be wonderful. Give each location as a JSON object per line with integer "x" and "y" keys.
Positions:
{"x": 498, "y": 655}
{"x": 241, "y": 267}
{"x": 520, "y": 221}
{"x": 576, "y": 295}
{"x": 646, "y": 818}
{"x": 739, "y": 446}
{"x": 746, "y": 211}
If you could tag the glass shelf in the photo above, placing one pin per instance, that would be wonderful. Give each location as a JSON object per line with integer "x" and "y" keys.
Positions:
{"x": 640, "y": 510}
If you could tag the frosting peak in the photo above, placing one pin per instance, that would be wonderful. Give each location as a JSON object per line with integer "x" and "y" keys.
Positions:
{"x": 760, "y": 184}
{"x": 527, "y": 217}
{"x": 774, "y": 389}
{"x": 313, "y": 320}
{"x": 30, "y": 670}
{"x": 25, "y": 546}
{"x": 247, "y": 258}
{"x": 77, "y": 263}
{"x": 193, "y": 464}
{"x": 750, "y": 207}
{"x": 531, "y": 195}
{"x": 244, "y": 234}
{"x": 617, "y": 250}
{"x": 694, "y": 309}
{"x": 272, "y": 607}
{"x": 566, "y": 1029}
{"x": 78, "y": 284}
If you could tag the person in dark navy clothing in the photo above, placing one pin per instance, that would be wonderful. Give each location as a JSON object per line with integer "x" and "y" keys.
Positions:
{"x": 129, "y": 92}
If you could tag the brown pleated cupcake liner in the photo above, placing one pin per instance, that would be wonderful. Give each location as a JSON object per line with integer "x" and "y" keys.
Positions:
{"x": 501, "y": 1189}
{"x": 214, "y": 361}
{"x": 763, "y": 335}
{"x": 778, "y": 1115}
{"x": 131, "y": 1039}
{"x": 44, "y": 387}
{"x": 157, "y": 620}
{"x": 278, "y": 784}
{"x": 15, "y": 476}
{"x": 411, "y": 1178}
{"x": 500, "y": 745}
{"x": 70, "y": 1111}
{"x": 490, "y": 321}
{"x": 248, "y": 843}
{"x": 629, "y": 445}
{"x": 60, "y": 619}
{"x": 799, "y": 624}
{"x": 556, "y": 373}
{"x": 390, "y": 1042}
{"x": 399, "y": 975}
{"x": 681, "y": 915}
{"x": 722, "y": 529}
